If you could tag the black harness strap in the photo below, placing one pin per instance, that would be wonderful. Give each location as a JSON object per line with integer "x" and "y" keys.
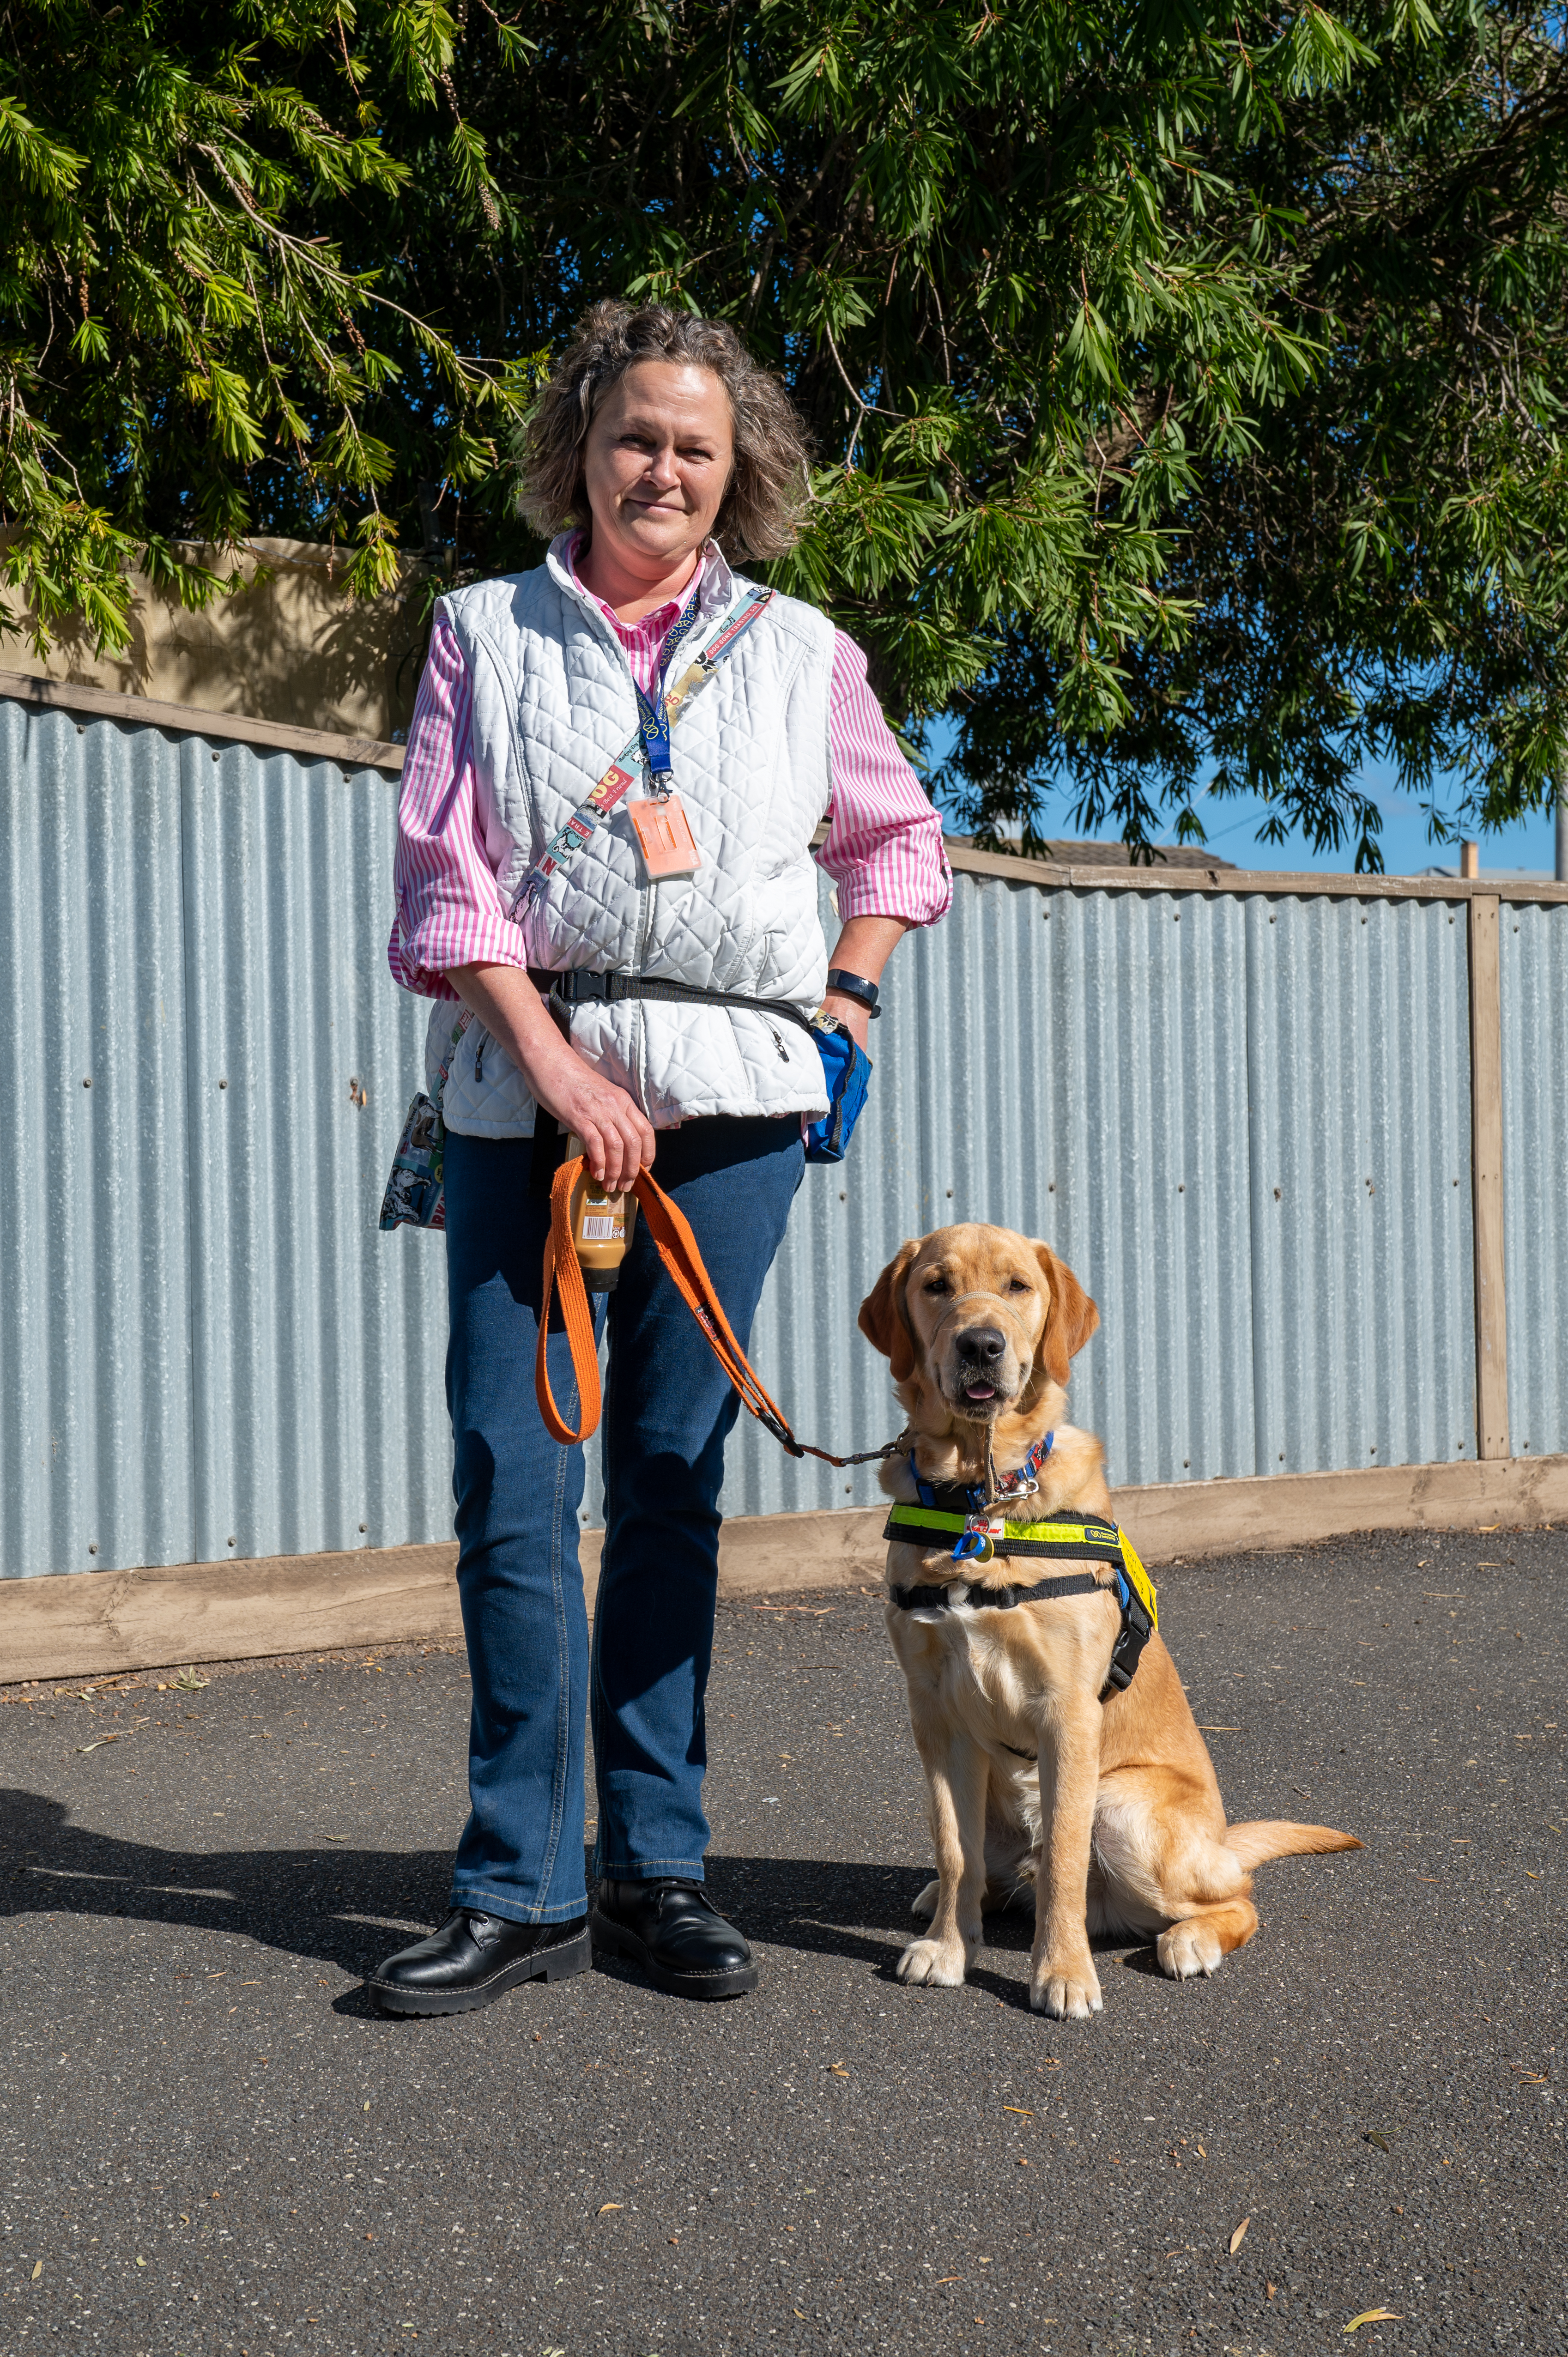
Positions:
{"x": 999, "y": 1599}
{"x": 1134, "y": 1633}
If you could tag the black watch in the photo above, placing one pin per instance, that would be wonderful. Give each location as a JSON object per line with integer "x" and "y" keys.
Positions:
{"x": 855, "y": 987}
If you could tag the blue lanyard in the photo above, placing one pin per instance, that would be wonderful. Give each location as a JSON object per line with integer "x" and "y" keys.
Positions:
{"x": 652, "y": 716}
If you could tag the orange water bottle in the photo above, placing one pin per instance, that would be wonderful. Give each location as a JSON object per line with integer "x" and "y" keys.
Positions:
{"x": 602, "y": 1227}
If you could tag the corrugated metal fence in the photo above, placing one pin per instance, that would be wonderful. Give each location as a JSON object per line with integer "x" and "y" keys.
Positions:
{"x": 1242, "y": 1113}
{"x": 208, "y": 1350}
{"x": 1534, "y": 962}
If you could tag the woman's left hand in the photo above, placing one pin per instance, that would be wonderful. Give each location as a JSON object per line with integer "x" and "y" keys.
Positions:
{"x": 864, "y": 947}
{"x": 855, "y": 1019}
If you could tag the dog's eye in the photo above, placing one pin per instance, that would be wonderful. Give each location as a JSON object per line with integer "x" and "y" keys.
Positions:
{"x": 1018, "y": 1285}
{"x": 937, "y": 1284}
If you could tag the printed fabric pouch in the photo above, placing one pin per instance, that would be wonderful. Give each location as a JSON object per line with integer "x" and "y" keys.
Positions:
{"x": 415, "y": 1196}
{"x": 846, "y": 1068}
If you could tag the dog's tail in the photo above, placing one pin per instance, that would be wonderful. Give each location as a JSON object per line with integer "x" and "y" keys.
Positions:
{"x": 1268, "y": 1838}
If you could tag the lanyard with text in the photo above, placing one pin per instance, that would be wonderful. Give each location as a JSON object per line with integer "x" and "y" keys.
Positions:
{"x": 568, "y": 841}
{"x": 653, "y": 718}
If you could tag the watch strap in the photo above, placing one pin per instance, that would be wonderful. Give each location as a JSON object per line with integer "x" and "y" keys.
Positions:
{"x": 855, "y": 987}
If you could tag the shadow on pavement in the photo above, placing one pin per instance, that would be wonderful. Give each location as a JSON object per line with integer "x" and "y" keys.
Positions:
{"x": 349, "y": 1907}
{"x": 837, "y": 1910}
{"x": 338, "y": 1905}
{"x": 302, "y": 1901}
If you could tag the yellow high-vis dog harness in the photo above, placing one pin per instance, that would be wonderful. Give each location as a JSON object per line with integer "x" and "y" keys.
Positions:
{"x": 951, "y": 1514}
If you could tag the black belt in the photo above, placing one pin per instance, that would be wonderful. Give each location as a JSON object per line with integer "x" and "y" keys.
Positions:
{"x": 576, "y": 986}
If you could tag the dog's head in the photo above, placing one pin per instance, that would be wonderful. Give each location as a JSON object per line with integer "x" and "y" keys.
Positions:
{"x": 984, "y": 1318}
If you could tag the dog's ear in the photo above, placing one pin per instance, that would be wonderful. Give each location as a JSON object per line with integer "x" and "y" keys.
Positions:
{"x": 883, "y": 1318}
{"x": 1072, "y": 1319}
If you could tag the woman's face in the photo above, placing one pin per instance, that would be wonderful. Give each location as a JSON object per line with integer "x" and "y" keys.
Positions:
{"x": 657, "y": 464}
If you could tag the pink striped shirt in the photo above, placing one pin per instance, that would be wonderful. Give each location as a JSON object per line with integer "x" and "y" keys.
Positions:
{"x": 884, "y": 847}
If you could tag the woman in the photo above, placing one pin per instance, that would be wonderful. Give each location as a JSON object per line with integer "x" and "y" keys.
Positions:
{"x": 657, "y": 446}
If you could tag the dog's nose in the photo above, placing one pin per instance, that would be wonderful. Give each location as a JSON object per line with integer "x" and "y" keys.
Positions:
{"x": 985, "y": 1343}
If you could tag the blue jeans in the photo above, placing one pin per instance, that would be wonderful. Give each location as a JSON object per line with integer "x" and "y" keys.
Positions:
{"x": 668, "y": 1409}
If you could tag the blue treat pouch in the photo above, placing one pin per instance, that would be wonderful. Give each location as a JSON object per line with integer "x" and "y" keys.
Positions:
{"x": 846, "y": 1068}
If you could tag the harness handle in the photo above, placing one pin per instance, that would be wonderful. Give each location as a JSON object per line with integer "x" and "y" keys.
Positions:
{"x": 677, "y": 1248}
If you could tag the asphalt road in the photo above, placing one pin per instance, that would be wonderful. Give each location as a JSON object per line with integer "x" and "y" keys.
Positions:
{"x": 211, "y": 2143}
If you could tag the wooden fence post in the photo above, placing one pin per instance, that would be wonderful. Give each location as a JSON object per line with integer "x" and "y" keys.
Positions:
{"x": 1487, "y": 1177}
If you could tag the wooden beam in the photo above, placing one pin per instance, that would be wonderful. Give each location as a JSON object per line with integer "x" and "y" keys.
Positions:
{"x": 191, "y": 720}
{"x": 1246, "y": 883}
{"x": 1486, "y": 1180}
{"x": 97, "y": 1623}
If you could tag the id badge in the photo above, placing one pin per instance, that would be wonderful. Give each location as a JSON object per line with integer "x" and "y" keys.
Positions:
{"x": 663, "y": 838}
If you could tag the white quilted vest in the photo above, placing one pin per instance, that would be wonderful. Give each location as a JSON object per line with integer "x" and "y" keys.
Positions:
{"x": 554, "y": 705}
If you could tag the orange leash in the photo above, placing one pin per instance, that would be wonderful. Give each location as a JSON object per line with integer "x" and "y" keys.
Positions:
{"x": 562, "y": 1270}
{"x": 677, "y": 1248}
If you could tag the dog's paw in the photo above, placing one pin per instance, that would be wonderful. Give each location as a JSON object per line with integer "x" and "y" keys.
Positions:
{"x": 1066, "y": 1992}
{"x": 933, "y": 1964}
{"x": 1187, "y": 1950}
{"x": 925, "y": 1907}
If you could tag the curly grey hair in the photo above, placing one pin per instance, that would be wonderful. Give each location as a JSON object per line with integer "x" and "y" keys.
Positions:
{"x": 770, "y": 485}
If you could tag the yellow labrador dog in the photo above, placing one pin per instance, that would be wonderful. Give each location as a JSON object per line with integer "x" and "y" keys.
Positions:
{"x": 1038, "y": 1769}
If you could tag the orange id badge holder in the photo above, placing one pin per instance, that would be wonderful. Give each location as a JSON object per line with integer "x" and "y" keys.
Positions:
{"x": 663, "y": 838}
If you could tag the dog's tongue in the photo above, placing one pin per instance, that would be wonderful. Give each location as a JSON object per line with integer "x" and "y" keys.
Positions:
{"x": 980, "y": 1390}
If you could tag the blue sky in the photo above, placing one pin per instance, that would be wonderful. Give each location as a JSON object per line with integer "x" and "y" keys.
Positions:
{"x": 1525, "y": 848}
{"x": 1231, "y": 827}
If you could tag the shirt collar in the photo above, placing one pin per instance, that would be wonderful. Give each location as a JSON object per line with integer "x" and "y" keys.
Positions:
{"x": 717, "y": 587}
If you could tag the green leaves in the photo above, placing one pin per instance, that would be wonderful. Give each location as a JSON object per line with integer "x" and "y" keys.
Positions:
{"x": 187, "y": 355}
{"x": 1316, "y": 52}
{"x": 1187, "y": 383}
{"x": 42, "y": 164}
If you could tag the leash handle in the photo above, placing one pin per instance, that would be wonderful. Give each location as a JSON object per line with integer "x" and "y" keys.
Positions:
{"x": 563, "y": 1271}
{"x": 678, "y": 1249}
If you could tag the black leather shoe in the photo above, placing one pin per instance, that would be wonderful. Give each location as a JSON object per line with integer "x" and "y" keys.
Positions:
{"x": 474, "y": 1959}
{"x": 676, "y": 1933}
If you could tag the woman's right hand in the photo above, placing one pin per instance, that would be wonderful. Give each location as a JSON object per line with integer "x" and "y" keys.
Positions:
{"x": 619, "y": 1139}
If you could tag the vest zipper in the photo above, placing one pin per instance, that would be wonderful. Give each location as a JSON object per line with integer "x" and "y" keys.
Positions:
{"x": 639, "y": 1017}
{"x": 640, "y": 1005}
